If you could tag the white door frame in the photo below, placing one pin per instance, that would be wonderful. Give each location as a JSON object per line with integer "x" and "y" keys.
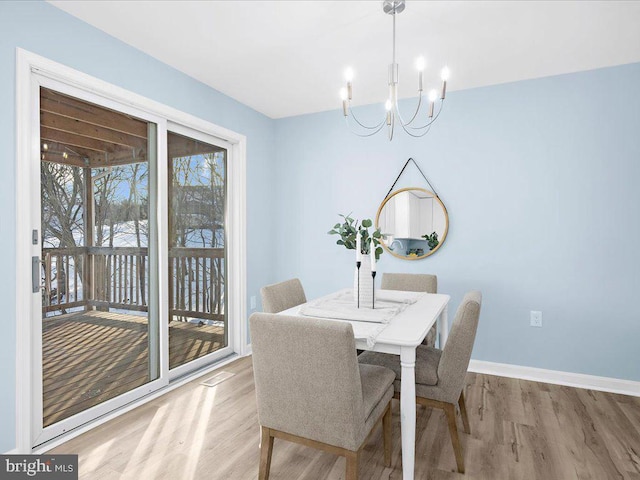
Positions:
{"x": 28, "y": 66}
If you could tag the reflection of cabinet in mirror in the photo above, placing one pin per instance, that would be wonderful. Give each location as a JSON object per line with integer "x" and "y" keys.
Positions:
{"x": 410, "y": 215}
{"x": 413, "y": 223}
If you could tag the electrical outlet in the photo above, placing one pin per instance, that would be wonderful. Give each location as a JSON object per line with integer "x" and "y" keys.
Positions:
{"x": 536, "y": 319}
{"x": 252, "y": 301}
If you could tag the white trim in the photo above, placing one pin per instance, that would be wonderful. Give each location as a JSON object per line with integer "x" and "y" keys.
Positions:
{"x": 578, "y": 380}
{"x": 12, "y": 452}
{"x": 27, "y": 64}
{"x": 135, "y": 404}
{"x": 23, "y": 254}
{"x": 237, "y": 248}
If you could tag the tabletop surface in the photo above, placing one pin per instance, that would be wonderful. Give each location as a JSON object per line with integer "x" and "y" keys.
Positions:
{"x": 409, "y": 327}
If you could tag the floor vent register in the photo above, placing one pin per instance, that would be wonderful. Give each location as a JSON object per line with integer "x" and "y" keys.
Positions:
{"x": 217, "y": 378}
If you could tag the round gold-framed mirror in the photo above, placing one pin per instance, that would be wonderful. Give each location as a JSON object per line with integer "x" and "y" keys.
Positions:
{"x": 414, "y": 223}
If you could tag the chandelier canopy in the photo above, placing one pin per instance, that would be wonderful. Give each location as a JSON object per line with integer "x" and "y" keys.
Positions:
{"x": 416, "y": 126}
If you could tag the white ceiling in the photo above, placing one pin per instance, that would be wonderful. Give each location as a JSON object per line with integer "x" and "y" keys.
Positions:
{"x": 287, "y": 58}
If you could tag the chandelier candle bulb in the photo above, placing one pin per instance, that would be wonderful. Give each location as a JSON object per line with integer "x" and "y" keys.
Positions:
{"x": 348, "y": 75}
{"x": 445, "y": 76}
{"x": 420, "y": 66}
{"x": 432, "y": 100}
{"x": 343, "y": 95}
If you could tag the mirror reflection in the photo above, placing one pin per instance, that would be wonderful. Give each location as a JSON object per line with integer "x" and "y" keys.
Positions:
{"x": 413, "y": 222}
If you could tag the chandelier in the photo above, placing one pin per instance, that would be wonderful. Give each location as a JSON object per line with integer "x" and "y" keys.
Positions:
{"x": 415, "y": 126}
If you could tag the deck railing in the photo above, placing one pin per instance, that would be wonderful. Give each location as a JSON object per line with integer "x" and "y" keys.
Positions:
{"x": 63, "y": 285}
{"x": 118, "y": 277}
{"x": 196, "y": 283}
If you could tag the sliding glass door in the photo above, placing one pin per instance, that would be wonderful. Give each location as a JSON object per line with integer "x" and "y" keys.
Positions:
{"x": 131, "y": 279}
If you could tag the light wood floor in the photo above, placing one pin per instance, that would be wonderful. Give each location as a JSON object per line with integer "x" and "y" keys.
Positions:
{"x": 91, "y": 357}
{"x": 519, "y": 430}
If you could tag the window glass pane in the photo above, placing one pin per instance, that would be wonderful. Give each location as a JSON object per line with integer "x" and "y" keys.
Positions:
{"x": 197, "y": 249}
{"x": 94, "y": 179}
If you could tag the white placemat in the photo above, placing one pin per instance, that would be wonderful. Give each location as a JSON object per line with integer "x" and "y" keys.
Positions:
{"x": 367, "y": 322}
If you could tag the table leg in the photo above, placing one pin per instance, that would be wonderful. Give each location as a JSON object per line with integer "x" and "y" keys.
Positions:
{"x": 408, "y": 411}
{"x": 443, "y": 327}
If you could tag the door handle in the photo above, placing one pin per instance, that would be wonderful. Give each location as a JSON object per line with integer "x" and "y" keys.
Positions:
{"x": 35, "y": 274}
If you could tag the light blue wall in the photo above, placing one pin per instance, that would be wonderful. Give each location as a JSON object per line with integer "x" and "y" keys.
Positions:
{"x": 47, "y": 31}
{"x": 539, "y": 178}
{"x": 541, "y": 182}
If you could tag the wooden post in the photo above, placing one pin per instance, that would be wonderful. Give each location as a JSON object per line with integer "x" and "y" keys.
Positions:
{"x": 87, "y": 264}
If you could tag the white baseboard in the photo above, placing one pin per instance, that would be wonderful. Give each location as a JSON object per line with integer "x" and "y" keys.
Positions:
{"x": 12, "y": 452}
{"x": 578, "y": 380}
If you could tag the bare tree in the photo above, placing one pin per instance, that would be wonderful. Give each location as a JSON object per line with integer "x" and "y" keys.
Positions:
{"x": 197, "y": 220}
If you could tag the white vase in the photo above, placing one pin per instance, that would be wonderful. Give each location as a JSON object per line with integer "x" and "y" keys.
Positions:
{"x": 366, "y": 283}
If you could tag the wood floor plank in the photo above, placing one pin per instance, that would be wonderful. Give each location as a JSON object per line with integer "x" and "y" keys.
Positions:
{"x": 519, "y": 431}
{"x": 612, "y": 424}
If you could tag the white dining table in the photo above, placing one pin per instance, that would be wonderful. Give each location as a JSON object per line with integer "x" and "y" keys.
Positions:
{"x": 401, "y": 336}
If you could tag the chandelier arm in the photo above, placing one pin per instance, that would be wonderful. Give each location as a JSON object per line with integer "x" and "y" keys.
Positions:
{"x": 402, "y": 122}
{"x": 435, "y": 117}
{"x": 363, "y": 134}
{"x": 378, "y": 126}
{"x": 415, "y": 114}
{"x": 417, "y": 135}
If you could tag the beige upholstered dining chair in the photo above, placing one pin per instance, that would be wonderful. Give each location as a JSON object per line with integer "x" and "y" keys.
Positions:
{"x": 440, "y": 374}
{"x": 282, "y": 296}
{"x": 311, "y": 390}
{"x": 413, "y": 282}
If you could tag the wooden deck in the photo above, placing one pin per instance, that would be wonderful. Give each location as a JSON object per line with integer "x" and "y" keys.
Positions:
{"x": 91, "y": 357}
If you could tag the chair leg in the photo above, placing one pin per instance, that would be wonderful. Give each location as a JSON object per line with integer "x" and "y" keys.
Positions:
{"x": 450, "y": 411}
{"x": 386, "y": 435}
{"x": 266, "y": 449}
{"x": 353, "y": 462}
{"x": 463, "y": 413}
